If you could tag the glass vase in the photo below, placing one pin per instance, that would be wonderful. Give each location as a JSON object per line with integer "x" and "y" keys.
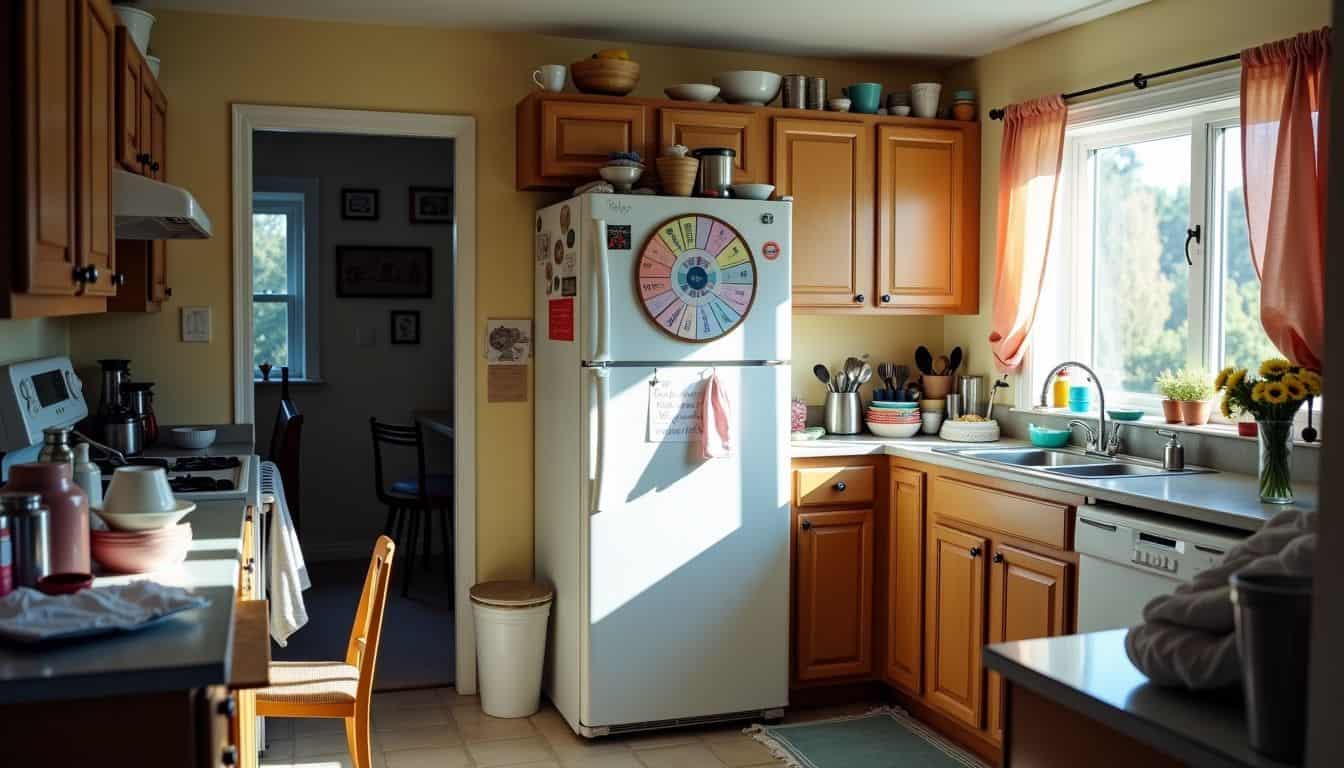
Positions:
{"x": 1276, "y": 449}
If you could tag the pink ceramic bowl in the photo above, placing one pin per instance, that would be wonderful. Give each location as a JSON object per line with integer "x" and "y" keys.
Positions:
{"x": 127, "y": 552}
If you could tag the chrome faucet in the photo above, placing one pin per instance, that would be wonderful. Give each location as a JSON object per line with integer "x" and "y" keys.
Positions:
{"x": 1098, "y": 442}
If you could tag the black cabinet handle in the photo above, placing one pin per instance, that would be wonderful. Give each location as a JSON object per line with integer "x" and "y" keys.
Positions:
{"x": 118, "y": 279}
{"x": 230, "y": 755}
{"x": 87, "y": 274}
{"x": 975, "y": 551}
{"x": 154, "y": 166}
{"x": 227, "y": 708}
{"x": 998, "y": 557}
{"x": 143, "y": 158}
{"x": 840, "y": 486}
{"x": 807, "y": 525}
{"x": 168, "y": 293}
{"x": 886, "y": 298}
{"x": 859, "y": 299}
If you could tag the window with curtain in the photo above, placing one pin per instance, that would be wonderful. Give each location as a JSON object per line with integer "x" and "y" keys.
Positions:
{"x": 283, "y": 315}
{"x": 1121, "y": 294}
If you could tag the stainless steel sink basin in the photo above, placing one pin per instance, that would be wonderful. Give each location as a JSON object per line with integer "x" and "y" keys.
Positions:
{"x": 1029, "y": 457}
{"x": 1118, "y": 469}
{"x": 1053, "y": 461}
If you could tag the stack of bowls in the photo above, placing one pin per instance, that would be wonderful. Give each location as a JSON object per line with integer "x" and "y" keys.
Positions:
{"x": 890, "y": 418}
{"x": 145, "y": 521}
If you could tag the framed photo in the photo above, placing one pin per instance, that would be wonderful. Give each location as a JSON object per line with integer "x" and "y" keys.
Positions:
{"x": 383, "y": 271}
{"x": 431, "y": 205}
{"x": 359, "y": 204}
{"x": 405, "y": 326}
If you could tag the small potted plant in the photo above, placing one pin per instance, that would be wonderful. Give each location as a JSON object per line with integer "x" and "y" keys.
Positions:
{"x": 1273, "y": 397}
{"x": 1192, "y": 389}
{"x": 1166, "y": 386}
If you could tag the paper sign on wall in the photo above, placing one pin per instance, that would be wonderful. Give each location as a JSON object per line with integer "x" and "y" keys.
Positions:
{"x": 674, "y": 411}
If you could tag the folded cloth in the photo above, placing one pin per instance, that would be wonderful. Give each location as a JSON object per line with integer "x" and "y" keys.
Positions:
{"x": 1188, "y": 637}
{"x": 29, "y": 616}
{"x": 715, "y": 417}
{"x": 287, "y": 574}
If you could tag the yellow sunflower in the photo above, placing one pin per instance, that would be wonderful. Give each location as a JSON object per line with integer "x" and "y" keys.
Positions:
{"x": 1311, "y": 380}
{"x": 1221, "y": 379}
{"x": 1258, "y": 392}
{"x": 1276, "y": 392}
{"x": 1236, "y": 379}
{"x": 1296, "y": 389}
{"x": 1275, "y": 366}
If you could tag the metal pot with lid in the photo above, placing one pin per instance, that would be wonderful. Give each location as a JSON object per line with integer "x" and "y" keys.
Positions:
{"x": 716, "y": 170}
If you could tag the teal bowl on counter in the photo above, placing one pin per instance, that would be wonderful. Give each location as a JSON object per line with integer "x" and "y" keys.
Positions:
{"x": 1044, "y": 437}
{"x": 1125, "y": 415}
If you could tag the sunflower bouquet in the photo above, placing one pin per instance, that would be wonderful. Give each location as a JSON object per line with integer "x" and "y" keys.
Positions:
{"x": 1274, "y": 393}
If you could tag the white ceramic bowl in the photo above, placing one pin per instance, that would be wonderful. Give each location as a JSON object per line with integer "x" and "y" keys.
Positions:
{"x": 970, "y": 431}
{"x": 622, "y": 177}
{"x": 900, "y": 110}
{"x": 692, "y": 92}
{"x": 924, "y": 99}
{"x": 138, "y": 490}
{"x": 147, "y": 521}
{"x": 138, "y": 23}
{"x": 154, "y": 65}
{"x": 893, "y": 430}
{"x": 748, "y": 86}
{"x": 838, "y": 105}
{"x": 192, "y": 438}
{"x": 752, "y": 191}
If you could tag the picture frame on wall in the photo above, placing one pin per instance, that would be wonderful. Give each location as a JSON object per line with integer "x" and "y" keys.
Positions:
{"x": 359, "y": 204}
{"x": 405, "y": 326}
{"x": 384, "y": 272}
{"x": 431, "y": 205}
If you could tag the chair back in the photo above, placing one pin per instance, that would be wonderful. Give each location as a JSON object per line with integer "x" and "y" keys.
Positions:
{"x": 286, "y": 438}
{"x": 398, "y": 436}
{"x": 367, "y": 631}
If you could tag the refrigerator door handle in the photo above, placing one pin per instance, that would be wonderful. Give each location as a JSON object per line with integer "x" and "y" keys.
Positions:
{"x": 602, "y": 343}
{"x": 598, "y": 439}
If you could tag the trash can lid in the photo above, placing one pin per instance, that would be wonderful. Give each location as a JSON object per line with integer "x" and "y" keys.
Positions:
{"x": 511, "y": 594}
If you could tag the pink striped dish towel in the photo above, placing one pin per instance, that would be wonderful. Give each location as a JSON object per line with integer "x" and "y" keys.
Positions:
{"x": 715, "y": 415}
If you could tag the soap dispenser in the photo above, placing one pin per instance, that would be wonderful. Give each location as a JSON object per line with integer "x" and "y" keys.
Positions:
{"x": 1173, "y": 453}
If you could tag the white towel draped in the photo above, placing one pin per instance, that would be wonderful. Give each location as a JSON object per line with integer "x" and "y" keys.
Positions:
{"x": 287, "y": 573}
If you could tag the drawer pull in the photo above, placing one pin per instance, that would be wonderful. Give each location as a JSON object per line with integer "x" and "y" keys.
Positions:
{"x": 807, "y": 525}
{"x": 998, "y": 557}
{"x": 840, "y": 486}
{"x": 1095, "y": 524}
{"x": 975, "y": 551}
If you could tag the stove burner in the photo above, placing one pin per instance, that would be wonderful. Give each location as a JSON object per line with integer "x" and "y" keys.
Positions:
{"x": 204, "y": 464}
{"x": 190, "y": 484}
{"x": 106, "y": 466}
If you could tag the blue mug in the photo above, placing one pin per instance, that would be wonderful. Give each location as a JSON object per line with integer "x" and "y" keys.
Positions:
{"x": 1080, "y": 398}
{"x": 864, "y": 97}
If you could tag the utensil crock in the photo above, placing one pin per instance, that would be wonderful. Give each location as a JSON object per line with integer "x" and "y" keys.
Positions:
{"x": 844, "y": 413}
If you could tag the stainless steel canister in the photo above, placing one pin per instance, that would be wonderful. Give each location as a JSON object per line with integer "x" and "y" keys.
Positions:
{"x": 30, "y": 535}
{"x": 56, "y": 446}
{"x": 844, "y": 413}
{"x": 795, "y": 89}
{"x": 816, "y": 93}
{"x": 716, "y": 170}
{"x": 971, "y": 389}
{"x": 953, "y": 407}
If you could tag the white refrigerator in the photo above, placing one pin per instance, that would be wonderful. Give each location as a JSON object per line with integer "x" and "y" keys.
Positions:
{"x": 671, "y": 571}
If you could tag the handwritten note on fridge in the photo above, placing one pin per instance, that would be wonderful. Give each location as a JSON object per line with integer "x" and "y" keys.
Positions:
{"x": 674, "y": 411}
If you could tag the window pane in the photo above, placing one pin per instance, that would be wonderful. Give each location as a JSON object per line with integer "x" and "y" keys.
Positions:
{"x": 270, "y": 333}
{"x": 1244, "y": 341}
{"x": 1141, "y": 287}
{"x": 269, "y": 253}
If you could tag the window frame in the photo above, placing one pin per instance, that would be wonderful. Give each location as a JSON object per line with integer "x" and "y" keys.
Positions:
{"x": 297, "y": 199}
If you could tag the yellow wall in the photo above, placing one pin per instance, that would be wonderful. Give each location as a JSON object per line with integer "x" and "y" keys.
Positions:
{"x": 1161, "y": 34}
{"x": 26, "y": 339}
{"x": 213, "y": 61}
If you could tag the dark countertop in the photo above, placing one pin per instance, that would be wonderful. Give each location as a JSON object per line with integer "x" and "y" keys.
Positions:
{"x": 1092, "y": 675}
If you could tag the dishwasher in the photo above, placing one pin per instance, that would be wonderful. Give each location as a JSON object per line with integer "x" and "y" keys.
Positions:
{"x": 1126, "y": 557}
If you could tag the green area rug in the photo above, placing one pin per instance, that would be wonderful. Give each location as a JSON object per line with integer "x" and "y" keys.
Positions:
{"x": 884, "y": 738}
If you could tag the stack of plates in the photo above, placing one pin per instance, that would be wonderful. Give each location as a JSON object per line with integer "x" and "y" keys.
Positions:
{"x": 893, "y": 419}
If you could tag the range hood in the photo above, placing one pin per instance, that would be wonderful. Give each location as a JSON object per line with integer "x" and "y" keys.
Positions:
{"x": 146, "y": 209}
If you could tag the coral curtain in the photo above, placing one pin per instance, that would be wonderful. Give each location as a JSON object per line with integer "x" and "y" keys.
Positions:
{"x": 1285, "y": 89}
{"x": 1033, "y": 148}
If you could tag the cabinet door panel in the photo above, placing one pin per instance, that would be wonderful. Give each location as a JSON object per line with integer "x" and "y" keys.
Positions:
{"x": 1028, "y": 598}
{"x": 158, "y": 132}
{"x": 834, "y": 594}
{"x": 921, "y": 208}
{"x": 129, "y": 68}
{"x": 955, "y": 634}
{"x": 145, "y": 105}
{"x": 97, "y": 128}
{"x": 905, "y": 581}
{"x": 576, "y": 137}
{"x": 827, "y": 166}
{"x": 743, "y": 132}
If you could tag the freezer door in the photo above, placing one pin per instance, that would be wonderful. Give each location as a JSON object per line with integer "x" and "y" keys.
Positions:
{"x": 722, "y": 233}
{"x": 688, "y": 560}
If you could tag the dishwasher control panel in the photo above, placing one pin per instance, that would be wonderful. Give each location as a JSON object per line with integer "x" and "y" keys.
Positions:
{"x": 1174, "y": 548}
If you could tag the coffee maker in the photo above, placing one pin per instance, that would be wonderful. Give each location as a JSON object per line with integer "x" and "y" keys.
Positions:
{"x": 119, "y": 426}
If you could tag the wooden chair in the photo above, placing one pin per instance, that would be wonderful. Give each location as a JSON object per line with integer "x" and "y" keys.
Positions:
{"x": 286, "y": 438}
{"x": 333, "y": 689}
{"x": 412, "y": 501}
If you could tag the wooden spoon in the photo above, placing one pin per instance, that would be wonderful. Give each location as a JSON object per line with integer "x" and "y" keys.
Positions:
{"x": 943, "y": 365}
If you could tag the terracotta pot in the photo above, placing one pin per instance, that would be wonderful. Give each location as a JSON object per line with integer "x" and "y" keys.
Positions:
{"x": 1196, "y": 412}
{"x": 69, "y": 510}
{"x": 1248, "y": 428}
{"x": 1171, "y": 410}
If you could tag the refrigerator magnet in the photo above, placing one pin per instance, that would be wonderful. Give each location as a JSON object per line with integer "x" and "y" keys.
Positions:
{"x": 560, "y": 319}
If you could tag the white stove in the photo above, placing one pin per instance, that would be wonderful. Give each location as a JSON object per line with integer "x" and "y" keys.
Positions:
{"x": 200, "y": 478}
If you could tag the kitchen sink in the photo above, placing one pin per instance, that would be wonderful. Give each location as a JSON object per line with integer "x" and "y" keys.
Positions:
{"x": 1117, "y": 469}
{"x": 1052, "y": 461}
{"x": 1029, "y": 457}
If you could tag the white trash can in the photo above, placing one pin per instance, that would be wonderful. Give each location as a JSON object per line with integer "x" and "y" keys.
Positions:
{"x": 511, "y": 621}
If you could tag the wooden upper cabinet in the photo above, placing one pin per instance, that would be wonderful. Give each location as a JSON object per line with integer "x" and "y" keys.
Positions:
{"x": 131, "y": 71}
{"x": 158, "y": 132}
{"x": 563, "y": 142}
{"x": 746, "y": 133}
{"x": 927, "y": 219}
{"x": 97, "y": 128}
{"x": 833, "y": 590}
{"x": 1028, "y": 598}
{"x": 955, "y": 623}
{"x": 905, "y": 581}
{"x": 826, "y": 165}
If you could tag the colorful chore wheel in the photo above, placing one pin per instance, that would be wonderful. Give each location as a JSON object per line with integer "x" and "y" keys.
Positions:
{"x": 696, "y": 277}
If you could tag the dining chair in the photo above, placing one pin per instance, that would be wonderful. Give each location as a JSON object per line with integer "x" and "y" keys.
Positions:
{"x": 339, "y": 689}
{"x": 285, "y": 450}
{"x": 412, "y": 501}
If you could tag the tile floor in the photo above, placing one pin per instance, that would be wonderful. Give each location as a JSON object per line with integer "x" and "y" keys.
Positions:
{"x": 437, "y": 728}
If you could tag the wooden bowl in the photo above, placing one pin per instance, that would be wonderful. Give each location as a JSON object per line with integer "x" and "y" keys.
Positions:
{"x": 677, "y": 174}
{"x": 615, "y": 77}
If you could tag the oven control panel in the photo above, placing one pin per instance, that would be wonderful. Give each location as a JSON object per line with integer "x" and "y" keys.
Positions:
{"x": 35, "y": 395}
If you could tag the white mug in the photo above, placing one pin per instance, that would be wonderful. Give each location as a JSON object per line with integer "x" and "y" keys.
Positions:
{"x": 550, "y": 77}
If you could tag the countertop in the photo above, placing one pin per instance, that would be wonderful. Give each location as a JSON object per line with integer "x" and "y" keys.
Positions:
{"x": 188, "y": 650}
{"x": 1220, "y": 498}
{"x": 1092, "y": 675}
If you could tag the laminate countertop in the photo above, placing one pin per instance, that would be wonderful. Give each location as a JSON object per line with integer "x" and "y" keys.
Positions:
{"x": 188, "y": 650}
{"x": 1227, "y": 499}
{"x": 1091, "y": 674}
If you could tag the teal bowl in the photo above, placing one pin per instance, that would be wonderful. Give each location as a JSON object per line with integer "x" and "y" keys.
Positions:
{"x": 896, "y": 405}
{"x": 864, "y": 98}
{"x": 1125, "y": 415}
{"x": 1044, "y": 437}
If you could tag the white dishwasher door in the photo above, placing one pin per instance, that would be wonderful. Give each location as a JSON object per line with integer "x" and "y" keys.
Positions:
{"x": 1112, "y": 596}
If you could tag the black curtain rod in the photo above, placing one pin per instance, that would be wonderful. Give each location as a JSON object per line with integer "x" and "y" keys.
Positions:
{"x": 1139, "y": 80}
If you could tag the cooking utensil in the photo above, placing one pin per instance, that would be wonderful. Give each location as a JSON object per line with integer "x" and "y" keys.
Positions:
{"x": 865, "y": 374}
{"x": 1309, "y": 433}
{"x": 956, "y": 360}
{"x": 887, "y": 373}
{"x": 902, "y": 376}
{"x": 924, "y": 360}
{"x": 943, "y": 365}
{"x": 838, "y": 382}
{"x": 823, "y": 375}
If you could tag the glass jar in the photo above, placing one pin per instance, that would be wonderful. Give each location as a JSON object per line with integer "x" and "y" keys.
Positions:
{"x": 1276, "y": 451}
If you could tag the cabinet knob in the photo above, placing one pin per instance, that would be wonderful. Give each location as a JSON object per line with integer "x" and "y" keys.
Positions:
{"x": 168, "y": 292}
{"x": 229, "y": 756}
{"x": 154, "y": 166}
{"x": 807, "y": 525}
{"x": 860, "y": 298}
{"x": 86, "y": 274}
{"x": 975, "y": 551}
{"x": 998, "y": 557}
{"x": 840, "y": 486}
{"x": 886, "y": 298}
{"x": 118, "y": 279}
{"x": 143, "y": 158}
{"x": 227, "y": 708}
